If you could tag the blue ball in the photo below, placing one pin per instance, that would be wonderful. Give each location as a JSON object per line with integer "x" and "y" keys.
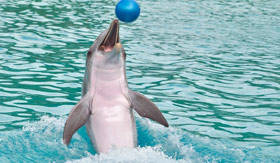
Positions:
{"x": 127, "y": 10}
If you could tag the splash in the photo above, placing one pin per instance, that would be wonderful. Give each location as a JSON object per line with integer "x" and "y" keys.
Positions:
{"x": 137, "y": 155}
{"x": 42, "y": 142}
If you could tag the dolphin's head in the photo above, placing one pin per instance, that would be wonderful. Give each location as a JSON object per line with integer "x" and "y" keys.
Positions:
{"x": 107, "y": 51}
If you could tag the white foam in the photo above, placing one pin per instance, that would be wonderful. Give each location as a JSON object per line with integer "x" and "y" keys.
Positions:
{"x": 50, "y": 122}
{"x": 136, "y": 155}
{"x": 158, "y": 144}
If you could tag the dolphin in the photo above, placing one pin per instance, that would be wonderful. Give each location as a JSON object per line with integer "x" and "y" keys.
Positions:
{"x": 107, "y": 104}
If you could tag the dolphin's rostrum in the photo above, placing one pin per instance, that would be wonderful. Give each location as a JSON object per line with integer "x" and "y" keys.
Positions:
{"x": 107, "y": 102}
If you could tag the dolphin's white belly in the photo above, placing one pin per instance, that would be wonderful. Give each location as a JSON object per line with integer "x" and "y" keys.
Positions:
{"x": 112, "y": 127}
{"x": 112, "y": 122}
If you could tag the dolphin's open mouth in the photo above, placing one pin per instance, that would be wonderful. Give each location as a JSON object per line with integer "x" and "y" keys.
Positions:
{"x": 111, "y": 38}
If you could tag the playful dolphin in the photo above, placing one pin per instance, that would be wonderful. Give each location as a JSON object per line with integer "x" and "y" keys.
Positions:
{"x": 107, "y": 102}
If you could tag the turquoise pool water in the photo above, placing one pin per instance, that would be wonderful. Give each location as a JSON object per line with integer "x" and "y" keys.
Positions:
{"x": 212, "y": 67}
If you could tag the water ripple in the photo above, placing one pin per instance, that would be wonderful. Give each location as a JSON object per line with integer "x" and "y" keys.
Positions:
{"x": 212, "y": 67}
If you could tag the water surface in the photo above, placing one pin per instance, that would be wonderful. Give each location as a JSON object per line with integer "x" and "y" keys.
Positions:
{"x": 212, "y": 67}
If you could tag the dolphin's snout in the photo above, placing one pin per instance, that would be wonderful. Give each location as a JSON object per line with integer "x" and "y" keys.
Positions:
{"x": 111, "y": 38}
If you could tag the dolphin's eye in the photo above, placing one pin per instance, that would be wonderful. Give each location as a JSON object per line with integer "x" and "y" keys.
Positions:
{"x": 89, "y": 52}
{"x": 124, "y": 54}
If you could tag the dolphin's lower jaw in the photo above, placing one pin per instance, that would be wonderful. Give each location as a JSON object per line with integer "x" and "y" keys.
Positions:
{"x": 111, "y": 38}
{"x": 107, "y": 102}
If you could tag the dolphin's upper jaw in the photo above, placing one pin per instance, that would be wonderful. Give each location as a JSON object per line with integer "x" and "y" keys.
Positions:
{"x": 111, "y": 38}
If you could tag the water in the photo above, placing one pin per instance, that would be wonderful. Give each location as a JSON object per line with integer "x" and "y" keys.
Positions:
{"x": 212, "y": 67}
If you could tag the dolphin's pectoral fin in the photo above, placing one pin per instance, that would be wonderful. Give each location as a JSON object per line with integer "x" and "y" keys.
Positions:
{"x": 77, "y": 118}
{"x": 146, "y": 108}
